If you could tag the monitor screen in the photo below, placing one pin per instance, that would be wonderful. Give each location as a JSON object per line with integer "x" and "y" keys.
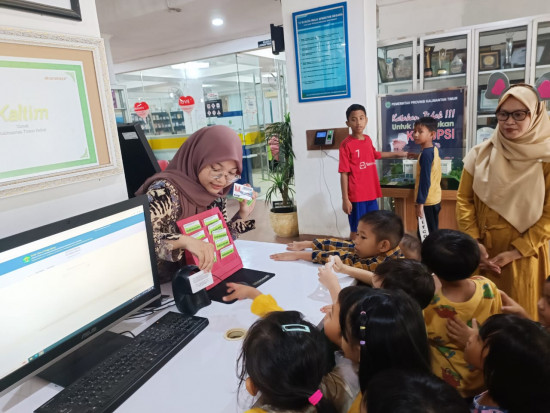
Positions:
{"x": 64, "y": 283}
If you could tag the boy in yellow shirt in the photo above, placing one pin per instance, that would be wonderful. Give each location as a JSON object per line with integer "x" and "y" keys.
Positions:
{"x": 453, "y": 256}
{"x": 427, "y": 187}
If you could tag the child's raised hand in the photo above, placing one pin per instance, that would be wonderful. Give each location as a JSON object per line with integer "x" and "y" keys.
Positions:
{"x": 459, "y": 332}
{"x": 240, "y": 292}
{"x": 509, "y": 306}
{"x": 327, "y": 277}
{"x": 326, "y": 309}
{"x": 338, "y": 265}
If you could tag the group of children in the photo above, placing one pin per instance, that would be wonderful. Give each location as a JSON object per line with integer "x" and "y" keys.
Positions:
{"x": 407, "y": 322}
{"x": 406, "y": 336}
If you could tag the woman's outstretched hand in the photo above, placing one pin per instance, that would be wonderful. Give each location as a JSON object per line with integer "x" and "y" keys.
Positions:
{"x": 505, "y": 258}
{"x": 247, "y": 206}
{"x": 204, "y": 251}
{"x": 484, "y": 262}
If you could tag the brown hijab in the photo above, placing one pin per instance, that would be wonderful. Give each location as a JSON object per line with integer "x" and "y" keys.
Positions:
{"x": 508, "y": 175}
{"x": 205, "y": 147}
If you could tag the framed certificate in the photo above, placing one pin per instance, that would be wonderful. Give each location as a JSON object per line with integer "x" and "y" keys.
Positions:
{"x": 57, "y": 115}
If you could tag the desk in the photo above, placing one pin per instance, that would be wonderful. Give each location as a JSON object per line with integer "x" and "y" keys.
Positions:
{"x": 404, "y": 207}
{"x": 202, "y": 376}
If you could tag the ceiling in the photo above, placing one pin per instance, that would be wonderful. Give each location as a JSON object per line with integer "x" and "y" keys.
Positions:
{"x": 143, "y": 28}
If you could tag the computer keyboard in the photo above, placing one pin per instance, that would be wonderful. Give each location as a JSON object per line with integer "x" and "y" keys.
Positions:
{"x": 107, "y": 385}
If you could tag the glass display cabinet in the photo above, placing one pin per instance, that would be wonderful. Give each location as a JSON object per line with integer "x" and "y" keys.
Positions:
{"x": 444, "y": 61}
{"x": 397, "y": 66}
{"x": 540, "y": 56}
{"x": 504, "y": 50}
{"x": 120, "y": 103}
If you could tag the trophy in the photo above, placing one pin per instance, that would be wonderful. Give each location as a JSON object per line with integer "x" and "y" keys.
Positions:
{"x": 428, "y": 72}
{"x": 443, "y": 63}
{"x": 508, "y": 49}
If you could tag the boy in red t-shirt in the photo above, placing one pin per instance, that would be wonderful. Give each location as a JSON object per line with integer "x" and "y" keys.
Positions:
{"x": 357, "y": 168}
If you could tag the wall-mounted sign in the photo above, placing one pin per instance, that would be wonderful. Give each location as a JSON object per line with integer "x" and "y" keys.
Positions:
{"x": 187, "y": 103}
{"x": 141, "y": 109}
{"x": 399, "y": 112}
{"x": 214, "y": 108}
{"x": 322, "y": 59}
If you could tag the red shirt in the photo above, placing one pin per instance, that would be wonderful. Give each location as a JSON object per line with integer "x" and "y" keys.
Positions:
{"x": 357, "y": 158}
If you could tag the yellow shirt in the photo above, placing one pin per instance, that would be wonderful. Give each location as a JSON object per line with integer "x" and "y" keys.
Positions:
{"x": 447, "y": 359}
{"x": 264, "y": 304}
{"x": 434, "y": 193}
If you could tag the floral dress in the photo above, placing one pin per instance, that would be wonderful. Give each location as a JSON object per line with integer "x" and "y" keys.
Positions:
{"x": 165, "y": 210}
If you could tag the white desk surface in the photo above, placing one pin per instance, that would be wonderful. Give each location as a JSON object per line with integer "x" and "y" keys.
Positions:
{"x": 202, "y": 377}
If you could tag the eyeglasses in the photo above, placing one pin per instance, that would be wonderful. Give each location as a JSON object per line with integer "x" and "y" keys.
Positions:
{"x": 517, "y": 115}
{"x": 229, "y": 176}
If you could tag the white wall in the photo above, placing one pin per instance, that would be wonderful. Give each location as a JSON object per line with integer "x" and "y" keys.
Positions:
{"x": 22, "y": 212}
{"x": 418, "y": 17}
{"x": 317, "y": 178}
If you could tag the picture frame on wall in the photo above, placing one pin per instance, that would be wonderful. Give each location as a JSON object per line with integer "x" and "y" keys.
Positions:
{"x": 484, "y": 104}
{"x": 382, "y": 70}
{"x": 69, "y": 9}
{"x": 489, "y": 60}
{"x": 55, "y": 83}
{"x": 403, "y": 68}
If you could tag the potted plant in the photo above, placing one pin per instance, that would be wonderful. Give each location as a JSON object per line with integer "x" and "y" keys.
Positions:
{"x": 283, "y": 216}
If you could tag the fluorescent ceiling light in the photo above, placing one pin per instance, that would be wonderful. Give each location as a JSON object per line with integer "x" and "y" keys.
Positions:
{"x": 217, "y": 21}
{"x": 191, "y": 65}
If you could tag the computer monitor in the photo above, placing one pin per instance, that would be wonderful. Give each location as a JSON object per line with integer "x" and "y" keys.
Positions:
{"x": 138, "y": 159}
{"x": 65, "y": 283}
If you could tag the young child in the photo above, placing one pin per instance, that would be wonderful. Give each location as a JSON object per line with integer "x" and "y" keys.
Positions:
{"x": 514, "y": 355}
{"x": 381, "y": 329}
{"x": 357, "y": 168}
{"x": 427, "y": 187}
{"x": 412, "y": 392}
{"x": 274, "y": 366}
{"x": 411, "y": 246}
{"x": 453, "y": 256}
{"x": 379, "y": 233}
{"x": 408, "y": 275}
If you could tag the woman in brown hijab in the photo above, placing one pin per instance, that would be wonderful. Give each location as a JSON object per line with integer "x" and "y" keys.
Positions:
{"x": 503, "y": 199}
{"x": 198, "y": 178}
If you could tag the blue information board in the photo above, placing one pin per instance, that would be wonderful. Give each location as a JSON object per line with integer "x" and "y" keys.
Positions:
{"x": 322, "y": 59}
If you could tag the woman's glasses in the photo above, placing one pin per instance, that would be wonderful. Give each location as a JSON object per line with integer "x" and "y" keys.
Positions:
{"x": 230, "y": 177}
{"x": 518, "y": 115}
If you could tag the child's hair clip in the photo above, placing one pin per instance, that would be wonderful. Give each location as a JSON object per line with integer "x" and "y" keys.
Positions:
{"x": 295, "y": 327}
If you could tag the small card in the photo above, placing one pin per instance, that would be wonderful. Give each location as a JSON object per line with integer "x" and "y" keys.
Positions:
{"x": 211, "y": 219}
{"x": 423, "y": 228}
{"x": 242, "y": 192}
{"x": 222, "y": 242}
{"x": 192, "y": 226}
{"x": 199, "y": 235}
{"x": 227, "y": 251}
{"x": 200, "y": 281}
{"x": 219, "y": 233}
{"x": 216, "y": 225}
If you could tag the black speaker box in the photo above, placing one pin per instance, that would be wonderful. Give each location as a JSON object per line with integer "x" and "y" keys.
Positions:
{"x": 277, "y": 39}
